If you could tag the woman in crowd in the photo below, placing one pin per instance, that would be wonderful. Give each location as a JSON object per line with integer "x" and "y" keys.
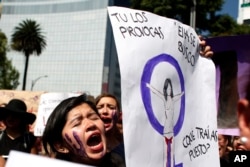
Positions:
{"x": 110, "y": 112}
{"x": 224, "y": 145}
{"x": 76, "y": 133}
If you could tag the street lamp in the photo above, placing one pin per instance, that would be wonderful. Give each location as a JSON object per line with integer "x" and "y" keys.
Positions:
{"x": 33, "y": 82}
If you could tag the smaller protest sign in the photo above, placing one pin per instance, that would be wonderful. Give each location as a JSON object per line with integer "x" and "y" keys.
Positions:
{"x": 48, "y": 102}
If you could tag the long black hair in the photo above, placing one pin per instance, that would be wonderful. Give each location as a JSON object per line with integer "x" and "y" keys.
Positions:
{"x": 56, "y": 121}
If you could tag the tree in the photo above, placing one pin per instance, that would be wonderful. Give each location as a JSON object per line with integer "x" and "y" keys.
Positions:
{"x": 222, "y": 25}
{"x": 225, "y": 25}
{"x": 241, "y": 29}
{"x": 207, "y": 17}
{"x": 28, "y": 39}
{"x": 180, "y": 10}
{"x": 8, "y": 74}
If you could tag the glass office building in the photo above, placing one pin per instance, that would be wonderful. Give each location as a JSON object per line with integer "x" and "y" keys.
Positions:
{"x": 80, "y": 53}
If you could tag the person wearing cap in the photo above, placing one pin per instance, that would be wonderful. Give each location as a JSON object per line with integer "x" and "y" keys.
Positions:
{"x": 16, "y": 135}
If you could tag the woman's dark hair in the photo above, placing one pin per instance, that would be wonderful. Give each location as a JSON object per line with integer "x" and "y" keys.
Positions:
{"x": 56, "y": 121}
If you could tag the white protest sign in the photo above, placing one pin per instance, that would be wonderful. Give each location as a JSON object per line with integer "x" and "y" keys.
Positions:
{"x": 168, "y": 92}
{"x": 17, "y": 158}
{"x": 47, "y": 104}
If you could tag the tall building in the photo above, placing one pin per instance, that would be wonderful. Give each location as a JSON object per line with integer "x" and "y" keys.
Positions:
{"x": 80, "y": 55}
{"x": 244, "y": 12}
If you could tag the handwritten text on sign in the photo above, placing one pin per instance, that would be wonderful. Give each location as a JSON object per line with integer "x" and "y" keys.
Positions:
{"x": 140, "y": 29}
{"x": 199, "y": 134}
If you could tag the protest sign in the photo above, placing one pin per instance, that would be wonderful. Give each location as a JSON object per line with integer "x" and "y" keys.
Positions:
{"x": 48, "y": 102}
{"x": 168, "y": 92}
{"x": 30, "y": 98}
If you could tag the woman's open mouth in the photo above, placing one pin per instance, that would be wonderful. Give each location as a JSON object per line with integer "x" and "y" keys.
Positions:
{"x": 95, "y": 142}
{"x": 107, "y": 121}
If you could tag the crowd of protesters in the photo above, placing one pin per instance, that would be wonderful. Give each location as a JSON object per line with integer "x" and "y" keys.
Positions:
{"x": 88, "y": 131}
{"x": 99, "y": 119}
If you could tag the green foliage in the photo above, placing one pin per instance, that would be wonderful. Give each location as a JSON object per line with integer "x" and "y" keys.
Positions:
{"x": 180, "y": 9}
{"x": 168, "y": 8}
{"x": 8, "y": 74}
{"x": 241, "y": 29}
{"x": 226, "y": 25}
{"x": 28, "y": 39}
{"x": 207, "y": 19}
{"x": 222, "y": 26}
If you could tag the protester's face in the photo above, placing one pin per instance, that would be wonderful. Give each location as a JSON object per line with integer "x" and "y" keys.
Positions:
{"x": 107, "y": 109}
{"x": 222, "y": 141}
{"x": 12, "y": 121}
{"x": 237, "y": 145}
{"x": 244, "y": 121}
{"x": 84, "y": 133}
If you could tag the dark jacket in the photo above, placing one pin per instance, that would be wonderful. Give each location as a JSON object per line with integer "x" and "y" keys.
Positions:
{"x": 22, "y": 143}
